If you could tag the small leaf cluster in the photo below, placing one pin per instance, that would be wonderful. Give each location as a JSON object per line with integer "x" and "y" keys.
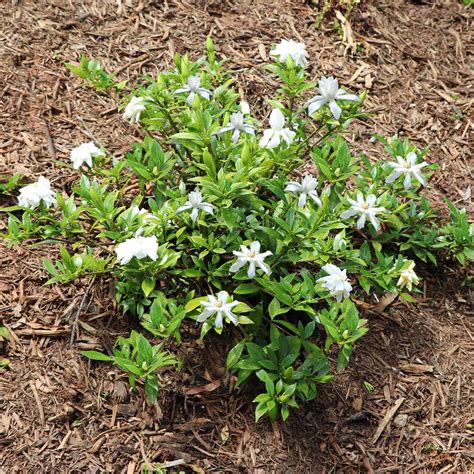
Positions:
{"x": 139, "y": 359}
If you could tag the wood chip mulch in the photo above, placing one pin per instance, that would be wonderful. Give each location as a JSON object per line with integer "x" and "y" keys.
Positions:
{"x": 60, "y": 413}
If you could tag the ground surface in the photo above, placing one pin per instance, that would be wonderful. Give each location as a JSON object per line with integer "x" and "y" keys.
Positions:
{"x": 58, "y": 413}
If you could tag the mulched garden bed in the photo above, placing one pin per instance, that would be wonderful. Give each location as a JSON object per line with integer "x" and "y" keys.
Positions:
{"x": 61, "y": 413}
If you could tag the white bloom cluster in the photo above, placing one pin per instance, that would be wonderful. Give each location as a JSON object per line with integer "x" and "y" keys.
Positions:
{"x": 407, "y": 167}
{"x": 137, "y": 247}
{"x": 196, "y": 203}
{"x": 365, "y": 208}
{"x": 84, "y": 154}
{"x": 253, "y": 258}
{"x": 290, "y": 48}
{"x": 237, "y": 125}
{"x": 329, "y": 93}
{"x": 408, "y": 277}
{"x": 306, "y": 188}
{"x": 277, "y": 132}
{"x": 134, "y": 109}
{"x": 221, "y": 307}
{"x": 32, "y": 195}
{"x": 193, "y": 87}
{"x": 336, "y": 282}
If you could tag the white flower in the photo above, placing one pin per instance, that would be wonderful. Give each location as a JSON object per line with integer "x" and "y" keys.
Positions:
{"x": 134, "y": 109}
{"x": 273, "y": 136}
{"x": 31, "y": 195}
{"x": 336, "y": 282}
{"x": 196, "y": 203}
{"x": 408, "y": 277}
{"x": 244, "y": 107}
{"x": 84, "y": 153}
{"x": 193, "y": 86}
{"x": 329, "y": 92}
{"x": 237, "y": 124}
{"x": 136, "y": 211}
{"x": 253, "y": 257}
{"x": 366, "y": 209}
{"x": 409, "y": 168}
{"x": 292, "y": 48}
{"x": 144, "y": 217}
{"x": 138, "y": 247}
{"x": 220, "y": 307}
{"x": 306, "y": 188}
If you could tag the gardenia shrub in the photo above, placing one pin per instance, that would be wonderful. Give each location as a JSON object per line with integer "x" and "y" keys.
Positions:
{"x": 211, "y": 218}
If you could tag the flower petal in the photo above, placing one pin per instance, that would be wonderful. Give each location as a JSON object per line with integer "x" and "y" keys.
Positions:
{"x": 184, "y": 208}
{"x": 205, "y": 315}
{"x": 277, "y": 119}
{"x": 194, "y": 214}
{"x": 237, "y": 265}
{"x": 293, "y": 187}
{"x": 314, "y": 196}
{"x": 251, "y": 269}
{"x": 183, "y": 89}
{"x": 206, "y": 207}
{"x": 315, "y": 104}
{"x": 255, "y": 246}
{"x": 361, "y": 221}
{"x": 407, "y": 181}
{"x": 335, "y": 109}
{"x": 267, "y": 136}
{"x": 349, "y": 213}
{"x": 371, "y": 198}
{"x": 375, "y": 222}
{"x": 343, "y": 95}
{"x": 393, "y": 177}
{"x": 264, "y": 267}
{"x": 236, "y": 136}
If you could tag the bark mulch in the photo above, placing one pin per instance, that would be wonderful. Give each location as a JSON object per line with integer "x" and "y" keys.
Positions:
{"x": 60, "y": 413}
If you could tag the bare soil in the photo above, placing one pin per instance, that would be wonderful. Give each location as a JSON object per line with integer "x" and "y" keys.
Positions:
{"x": 61, "y": 413}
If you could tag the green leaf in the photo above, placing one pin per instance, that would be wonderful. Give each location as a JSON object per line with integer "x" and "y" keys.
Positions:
{"x": 248, "y": 364}
{"x": 247, "y": 289}
{"x": 242, "y": 308}
{"x": 4, "y": 333}
{"x": 128, "y": 366}
{"x": 330, "y": 327}
{"x": 191, "y": 273}
{"x": 144, "y": 349}
{"x": 49, "y": 267}
{"x": 234, "y": 354}
{"x": 148, "y": 285}
{"x": 230, "y": 217}
{"x": 260, "y": 410}
{"x": 407, "y": 297}
{"x": 274, "y": 308}
{"x": 95, "y": 355}
{"x": 139, "y": 169}
{"x": 194, "y": 303}
{"x": 245, "y": 320}
{"x": 364, "y": 252}
{"x": 263, "y": 397}
{"x": 151, "y": 388}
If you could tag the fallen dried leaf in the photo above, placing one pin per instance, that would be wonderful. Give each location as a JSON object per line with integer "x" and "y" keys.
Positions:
{"x": 210, "y": 387}
{"x": 417, "y": 368}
